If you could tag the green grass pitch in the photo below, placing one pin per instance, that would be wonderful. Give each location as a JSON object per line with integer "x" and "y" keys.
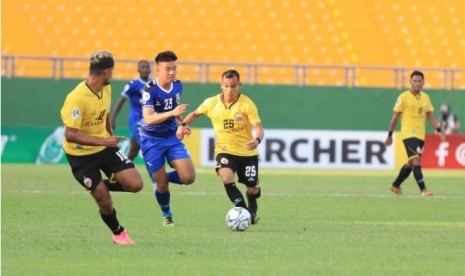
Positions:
{"x": 313, "y": 222}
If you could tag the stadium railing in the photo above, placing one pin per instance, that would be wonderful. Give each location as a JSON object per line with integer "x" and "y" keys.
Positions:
{"x": 252, "y": 73}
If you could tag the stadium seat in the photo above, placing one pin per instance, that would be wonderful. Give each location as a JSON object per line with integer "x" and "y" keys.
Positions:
{"x": 387, "y": 33}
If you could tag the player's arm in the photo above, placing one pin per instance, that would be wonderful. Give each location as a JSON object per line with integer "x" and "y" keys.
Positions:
{"x": 153, "y": 118}
{"x": 258, "y": 137}
{"x": 191, "y": 117}
{"x": 108, "y": 125}
{"x": 116, "y": 111}
{"x": 74, "y": 135}
{"x": 183, "y": 128}
{"x": 435, "y": 124}
{"x": 392, "y": 126}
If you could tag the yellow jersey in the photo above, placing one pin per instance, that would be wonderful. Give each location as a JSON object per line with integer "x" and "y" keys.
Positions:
{"x": 413, "y": 109}
{"x": 232, "y": 123}
{"x": 86, "y": 111}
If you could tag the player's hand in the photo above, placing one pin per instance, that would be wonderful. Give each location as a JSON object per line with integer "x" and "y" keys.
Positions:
{"x": 388, "y": 141}
{"x": 180, "y": 109}
{"x": 187, "y": 131}
{"x": 252, "y": 144}
{"x": 183, "y": 131}
{"x": 113, "y": 141}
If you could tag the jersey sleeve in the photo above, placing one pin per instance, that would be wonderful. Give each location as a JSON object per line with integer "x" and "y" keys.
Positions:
{"x": 399, "y": 105}
{"x": 252, "y": 112}
{"x": 205, "y": 106}
{"x": 147, "y": 100}
{"x": 72, "y": 111}
{"x": 429, "y": 107}
{"x": 126, "y": 90}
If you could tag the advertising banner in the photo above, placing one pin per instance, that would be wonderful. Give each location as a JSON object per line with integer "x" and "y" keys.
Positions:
{"x": 315, "y": 149}
{"x": 448, "y": 154}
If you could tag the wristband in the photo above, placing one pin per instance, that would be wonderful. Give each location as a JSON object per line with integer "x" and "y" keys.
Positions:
{"x": 183, "y": 124}
{"x": 438, "y": 129}
{"x": 258, "y": 140}
{"x": 390, "y": 134}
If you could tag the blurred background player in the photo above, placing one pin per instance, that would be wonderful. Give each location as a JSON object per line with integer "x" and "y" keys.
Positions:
{"x": 160, "y": 134}
{"x": 90, "y": 146}
{"x": 449, "y": 122}
{"x": 234, "y": 117}
{"x": 413, "y": 107}
{"x": 133, "y": 91}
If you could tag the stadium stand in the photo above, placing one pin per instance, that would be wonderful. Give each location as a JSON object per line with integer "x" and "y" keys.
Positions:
{"x": 321, "y": 32}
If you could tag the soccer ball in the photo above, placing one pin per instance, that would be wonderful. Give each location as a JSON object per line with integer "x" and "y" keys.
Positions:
{"x": 238, "y": 219}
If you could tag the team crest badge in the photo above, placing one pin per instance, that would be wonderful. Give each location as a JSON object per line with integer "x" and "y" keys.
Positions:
{"x": 238, "y": 117}
{"x": 87, "y": 182}
{"x": 75, "y": 113}
{"x": 145, "y": 96}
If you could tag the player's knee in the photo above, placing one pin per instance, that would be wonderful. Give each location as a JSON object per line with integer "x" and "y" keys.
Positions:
{"x": 188, "y": 180}
{"x": 256, "y": 192}
{"x": 134, "y": 186}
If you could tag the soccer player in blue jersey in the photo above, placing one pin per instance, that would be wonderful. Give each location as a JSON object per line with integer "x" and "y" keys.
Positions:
{"x": 160, "y": 134}
{"x": 133, "y": 92}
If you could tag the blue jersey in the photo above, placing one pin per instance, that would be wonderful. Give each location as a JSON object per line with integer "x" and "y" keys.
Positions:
{"x": 133, "y": 91}
{"x": 161, "y": 101}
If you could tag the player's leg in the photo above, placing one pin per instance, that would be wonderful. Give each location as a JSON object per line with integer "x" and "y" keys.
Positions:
{"x": 108, "y": 214}
{"x": 179, "y": 158}
{"x": 417, "y": 171}
{"x": 163, "y": 196}
{"x": 226, "y": 168}
{"x": 133, "y": 148}
{"x": 134, "y": 142}
{"x": 87, "y": 173}
{"x": 248, "y": 175}
{"x": 406, "y": 169}
{"x": 121, "y": 171}
{"x": 153, "y": 150}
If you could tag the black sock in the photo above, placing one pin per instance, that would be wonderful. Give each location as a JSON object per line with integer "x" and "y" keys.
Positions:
{"x": 235, "y": 195}
{"x": 403, "y": 174}
{"x": 114, "y": 187}
{"x": 112, "y": 222}
{"x": 419, "y": 177}
{"x": 252, "y": 200}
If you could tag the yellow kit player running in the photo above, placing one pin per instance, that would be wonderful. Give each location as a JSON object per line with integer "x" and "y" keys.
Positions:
{"x": 234, "y": 118}
{"x": 90, "y": 146}
{"x": 413, "y": 107}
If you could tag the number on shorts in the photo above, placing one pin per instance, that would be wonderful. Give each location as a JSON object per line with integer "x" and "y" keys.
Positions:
{"x": 250, "y": 171}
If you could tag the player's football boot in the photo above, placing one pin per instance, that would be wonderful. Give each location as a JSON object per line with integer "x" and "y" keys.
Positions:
{"x": 426, "y": 192}
{"x": 255, "y": 218}
{"x": 396, "y": 190}
{"x": 123, "y": 239}
{"x": 168, "y": 221}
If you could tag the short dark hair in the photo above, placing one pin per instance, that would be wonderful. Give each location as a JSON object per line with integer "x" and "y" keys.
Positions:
{"x": 100, "y": 60}
{"x": 417, "y": 73}
{"x": 231, "y": 74}
{"x": 166, "y": 56}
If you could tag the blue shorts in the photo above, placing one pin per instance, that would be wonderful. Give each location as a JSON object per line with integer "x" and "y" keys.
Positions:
{"x": 156, "y": 149}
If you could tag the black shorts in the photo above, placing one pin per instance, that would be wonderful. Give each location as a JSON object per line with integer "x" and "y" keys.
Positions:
{"x": 86, "y": 169}
{"x": 414, "y": 147}
{"x": 246, "y": 167}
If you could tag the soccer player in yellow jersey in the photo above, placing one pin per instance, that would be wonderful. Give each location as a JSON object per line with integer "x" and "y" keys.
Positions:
{"x": 234, "y": 118}
{"x": 90, "y": 146}
{"x": 413, "y": 107}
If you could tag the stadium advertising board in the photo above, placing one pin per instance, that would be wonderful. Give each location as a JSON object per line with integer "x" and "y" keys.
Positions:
{"x": 449, "y": 154}
{"x": 315, "y": 149}
{"x": 280, "y": 149}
